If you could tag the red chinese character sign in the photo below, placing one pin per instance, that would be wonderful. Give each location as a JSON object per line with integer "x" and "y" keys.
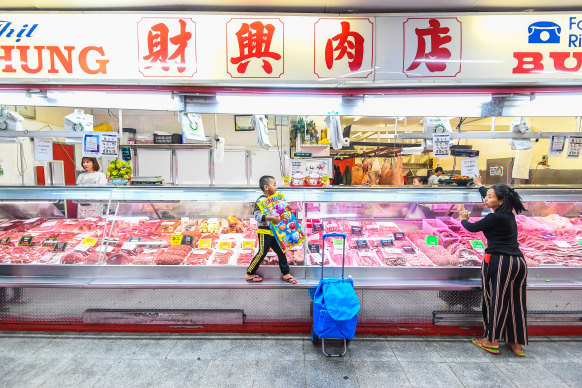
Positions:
{"x": 432, "y": 47}
{"x": 344, "y": 48}
{"x": 167, "y": 47}
{"x": 255, "y": 48}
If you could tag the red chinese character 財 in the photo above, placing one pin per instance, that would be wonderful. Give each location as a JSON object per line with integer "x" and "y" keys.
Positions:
{"x": 349, "y": 43}
{"x": 254, "y": 41}
{"x": 436, "y": 58}
{"x": 159, "y": 42}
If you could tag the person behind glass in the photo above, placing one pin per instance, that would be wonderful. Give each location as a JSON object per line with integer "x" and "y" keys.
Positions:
{"x": 266, "y": 239}
{"x": 418, "y": 181}
{"x": 504, "y": 270}
{"x": 91, "y": 177}
{"x": 434, "y": 178}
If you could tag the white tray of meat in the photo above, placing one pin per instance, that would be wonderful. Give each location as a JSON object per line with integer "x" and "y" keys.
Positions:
{"x": 173, "y": 255}
{"x": 223, "y": 257}
{"x": 365, "y": 258}
{"x": 245, "y": 256}
{"x": 198, "y": 256}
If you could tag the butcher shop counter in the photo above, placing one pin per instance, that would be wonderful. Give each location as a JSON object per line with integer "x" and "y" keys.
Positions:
{"x": 389, "y": 283}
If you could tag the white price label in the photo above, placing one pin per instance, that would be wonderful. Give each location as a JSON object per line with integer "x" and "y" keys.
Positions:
{"x": 561, "y": 244}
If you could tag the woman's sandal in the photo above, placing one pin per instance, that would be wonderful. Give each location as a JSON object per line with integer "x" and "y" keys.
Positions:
{"x": 478, "y": 343}
{"x": 290, "y": 279}
{"x": 255, "y": 279}
{"x": 520, "y": 353}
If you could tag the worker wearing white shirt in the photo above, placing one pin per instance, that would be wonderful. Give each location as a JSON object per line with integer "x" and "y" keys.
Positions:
{"x": 434, "y": 179}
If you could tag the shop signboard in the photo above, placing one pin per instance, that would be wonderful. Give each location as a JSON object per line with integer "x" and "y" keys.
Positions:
{"x": 43, "y": 149}
{"x": 470, "y": 167}
{"x": 557, "y": 144}
{"x": 177, "y": 48}
{"x": 441, "y": 144}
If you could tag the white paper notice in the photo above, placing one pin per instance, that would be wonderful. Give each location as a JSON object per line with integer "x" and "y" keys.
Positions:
{"x": 109, "y": 144}
{"x": 574, "y": 147}
{"x": 440, "y": 144}
{"x": 43, "y": 149}
{"x": 470, "y": 167}
{"x": 91, "y": 145}
{"x": 557, "y": 145}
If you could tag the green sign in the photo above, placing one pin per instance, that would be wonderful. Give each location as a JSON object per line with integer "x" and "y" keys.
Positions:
{"x": 338, "y": 244}
{"x": 477, "y": 244}
{"x": 432, "y": 240}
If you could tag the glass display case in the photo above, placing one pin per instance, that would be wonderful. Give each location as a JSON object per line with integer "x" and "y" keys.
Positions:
{"x": 206, "y": 229}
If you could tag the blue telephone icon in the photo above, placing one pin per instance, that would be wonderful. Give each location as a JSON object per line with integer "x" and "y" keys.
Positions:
{"x": 544, "y": 32}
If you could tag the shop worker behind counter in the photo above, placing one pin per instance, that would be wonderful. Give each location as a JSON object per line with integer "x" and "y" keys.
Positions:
{"x": 266, "y": 239}
{"x": 91, "y": 177}
{"x": 434, "y": 178}
{"x": 504, "y": 270}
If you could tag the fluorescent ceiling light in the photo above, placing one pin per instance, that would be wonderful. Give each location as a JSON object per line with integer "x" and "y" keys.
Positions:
{"x": 277, "y": 104}
{"x": 163, "y": 101}
{"x": 461, "y": 105}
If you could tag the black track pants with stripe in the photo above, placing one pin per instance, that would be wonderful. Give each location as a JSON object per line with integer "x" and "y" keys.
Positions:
{"x": 504, "y": 299}
{"x": 267, "y": 242}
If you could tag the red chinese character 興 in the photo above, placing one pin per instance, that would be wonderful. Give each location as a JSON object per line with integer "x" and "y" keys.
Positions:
{"x": 159, "y": 42}
{"x": 254, "y": 41}
{"x": 349, "y": 43}
{"x": 436, "y": 58}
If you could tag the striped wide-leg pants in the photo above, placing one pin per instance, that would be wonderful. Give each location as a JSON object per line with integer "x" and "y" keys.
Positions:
{"x": 504, "y": 299}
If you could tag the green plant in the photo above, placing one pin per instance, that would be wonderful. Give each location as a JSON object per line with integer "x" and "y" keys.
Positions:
{"x": 301, "y": 127}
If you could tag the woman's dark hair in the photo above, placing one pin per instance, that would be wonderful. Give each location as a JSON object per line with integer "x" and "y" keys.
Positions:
{"x": 511, "y": 199}
{"x": 96, "y": 166}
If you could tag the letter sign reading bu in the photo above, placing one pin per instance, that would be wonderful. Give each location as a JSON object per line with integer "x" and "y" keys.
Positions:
{"x": 432, "y": 47}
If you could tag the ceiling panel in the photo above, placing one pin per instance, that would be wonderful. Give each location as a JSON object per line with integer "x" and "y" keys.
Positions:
{"x": 306, "y": 6}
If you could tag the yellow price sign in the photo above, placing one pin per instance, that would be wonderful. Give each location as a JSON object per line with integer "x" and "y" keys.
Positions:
{"x": 248, "y": 244}
{"x": 225, "y": 244}
{"x": 205, "y": 243}
{"x": 176, "y": 239}
{"x": 90, "y": 241}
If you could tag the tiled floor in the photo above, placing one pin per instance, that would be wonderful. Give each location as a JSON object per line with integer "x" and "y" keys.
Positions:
{"x": 42, "y": 359}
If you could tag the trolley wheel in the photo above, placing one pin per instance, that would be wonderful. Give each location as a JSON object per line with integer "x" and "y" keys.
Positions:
{"x": 314, "y": 337}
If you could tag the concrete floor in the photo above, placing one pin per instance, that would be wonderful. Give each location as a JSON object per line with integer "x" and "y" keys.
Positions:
{"x": 49, "y": 359}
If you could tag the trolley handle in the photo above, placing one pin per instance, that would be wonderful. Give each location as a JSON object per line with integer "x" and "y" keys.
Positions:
{"x": 326, "y": 235}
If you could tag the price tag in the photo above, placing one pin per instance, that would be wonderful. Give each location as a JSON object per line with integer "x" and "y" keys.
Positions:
{"x": 25, "y": 241}
{"x": 387, "y": 242}
{"x": 399, "y": 236}
{"x": 205, "y": 243}
{"x": 155, "y": 244}
{"x": 225, "y": 245}
{"x": 112, "y": 241}
{"x": 393, "y": 250}
{"x": 89, "y": 241}
{"x": 313, "y": 248}
{"x": 579, "y": 242}
{"x": 477, "y": 244}
{"x": 60, "y": 247}
{"x": 188, "y": 240}
{"x": 168, "y": 223}
{"x": 31, "y": 220}
{"x": 432, "y": 240}
{"x": 317, "y": 227}
{"x": 408, "y": 249}
{"x": 362, "y": 244}
{"x": 248, "y": 244}
{"x": 176, "y": 239}
{"x": 5, "y": 241}
{"x": 134, "y": 239}
{"x": 366, "y": 254}
{"x": 561, "y": 244}
{"x": 356, "y": 230}
{"x": 315, "y": 258}
{"x": 102, "y": 248}
{"x": 82, "y": 247}
{"x": 48, "y": 224}
{"x": 185, "y": 221}
{"x": 128, "y": 246}
{"x": 50, "y": 242}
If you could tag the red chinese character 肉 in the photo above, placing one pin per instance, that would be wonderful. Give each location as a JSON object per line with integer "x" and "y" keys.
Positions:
{"x": 350, "y": 44}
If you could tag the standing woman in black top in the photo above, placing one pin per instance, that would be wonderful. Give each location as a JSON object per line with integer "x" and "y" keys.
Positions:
{"x": 504, "y": 270}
